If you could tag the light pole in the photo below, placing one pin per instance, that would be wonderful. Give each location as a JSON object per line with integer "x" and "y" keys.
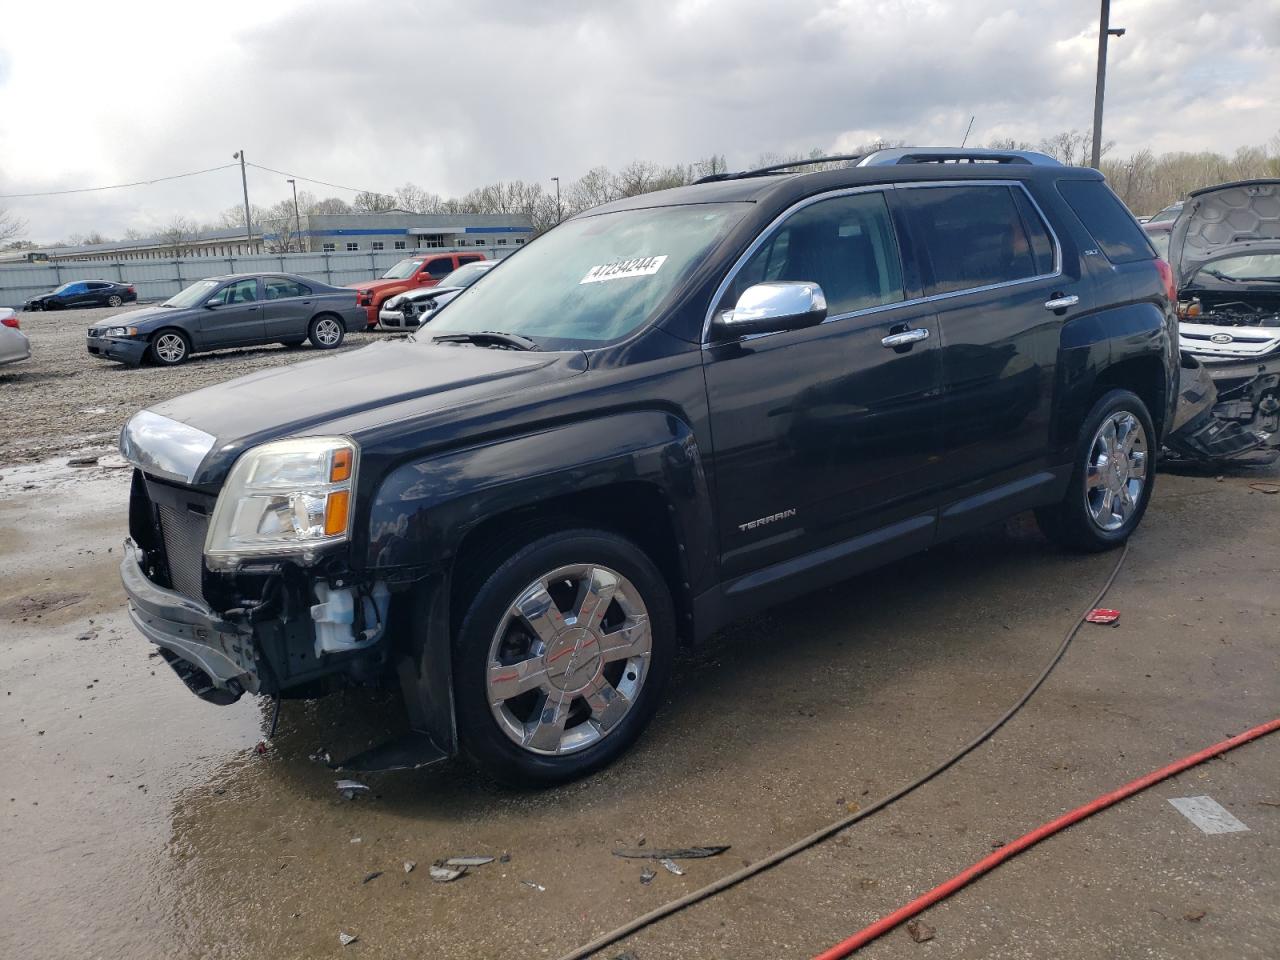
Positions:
{"x": 244, "y": 182}
{"x": 296, "y": 215}
{"x": 558, "y": 211}
{"x": 1105, "y": 30}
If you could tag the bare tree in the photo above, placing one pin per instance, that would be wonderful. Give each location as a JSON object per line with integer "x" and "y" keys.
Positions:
{"x": 131, "y": 233}
{"x": 369, "y": 202}
{"x": 178, "y": 236}
{"x": 329, "y": 205}
{"x": 11, "y": 225}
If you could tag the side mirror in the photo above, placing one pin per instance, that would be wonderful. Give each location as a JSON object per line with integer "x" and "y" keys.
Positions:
{"x": 771, "y": 307}
{"x": 210, "y": 304}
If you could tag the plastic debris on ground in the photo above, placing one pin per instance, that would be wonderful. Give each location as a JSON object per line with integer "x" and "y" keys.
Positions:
{"x": 349, "y": 788}
{"x": 646, "y": 876}
{"x": 346, "y": 939}
{"x": 468, "y": 861}
{"x": 320, "y": 756}
{"x": 670, "y": 866}
{"x": 534, "y": 886}
{"x": 442, "y": 874}
{"x": 409, "y": 865}
{"x": 371, "y": 876}
{"x": 1102, "y": 615}
{"x": 683, "y": 853}
{"x": 920, "y": 931}
{"x": 1265, "y": 486}
{"x": 261, "y": 748}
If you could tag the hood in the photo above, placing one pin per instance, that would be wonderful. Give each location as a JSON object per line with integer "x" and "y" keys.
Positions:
{"x": 1231, "y": 219}
{"x": 139, "y": 317}
{"x": 378, "y": 284}
{"x": 366, "y": 387}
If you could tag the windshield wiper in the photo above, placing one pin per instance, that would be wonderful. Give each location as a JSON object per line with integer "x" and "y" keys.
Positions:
{"x": 487, "y": 338}
{"x": 1217, "y": 275}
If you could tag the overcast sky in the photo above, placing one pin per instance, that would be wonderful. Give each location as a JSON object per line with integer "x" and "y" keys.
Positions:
{"x": 452, "y": 95}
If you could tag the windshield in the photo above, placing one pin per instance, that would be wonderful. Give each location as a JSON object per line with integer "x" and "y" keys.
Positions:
{"x": 1257, "y": 266}
{"x": 198, "y": 292}
{"x": 593, "y": 279}
{"x": 403, "y": 270}
{"x": 1168, "y": 213}
{"x": 466, "y": 276}
{"x": 64, "y": 288}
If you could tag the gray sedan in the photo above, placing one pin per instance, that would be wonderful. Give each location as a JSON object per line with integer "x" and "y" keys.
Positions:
{"x": 234, "y": 311}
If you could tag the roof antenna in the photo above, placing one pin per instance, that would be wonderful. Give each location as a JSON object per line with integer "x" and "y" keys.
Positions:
{"x": 967, "y": 130}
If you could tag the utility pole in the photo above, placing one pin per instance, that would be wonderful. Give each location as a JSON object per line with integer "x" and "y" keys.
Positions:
{"x": 244, "y": 182}
{"x": 1105, "y": 30}
{"x": 559, "y": 213}
{"x": 296, "y": 215}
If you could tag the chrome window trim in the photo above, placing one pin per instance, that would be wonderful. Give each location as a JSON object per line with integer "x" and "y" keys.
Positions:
{"x": 882, "y": 187}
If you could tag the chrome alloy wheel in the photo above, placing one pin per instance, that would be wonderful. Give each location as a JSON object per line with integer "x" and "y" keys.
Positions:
{"x": 1117, "y": 470}
{"x": 170, "y": 347}
{"x": 328, "y": 332}
{"x": 568, "y": 659}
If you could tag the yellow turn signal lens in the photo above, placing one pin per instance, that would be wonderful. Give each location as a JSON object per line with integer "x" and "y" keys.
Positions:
{"x": 335, "y": 513}
{"x": 340, "y": 469}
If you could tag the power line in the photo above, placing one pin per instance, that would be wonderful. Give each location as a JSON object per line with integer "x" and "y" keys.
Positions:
{"x": 115, "y": 186}
{"x": 338, "y": 186}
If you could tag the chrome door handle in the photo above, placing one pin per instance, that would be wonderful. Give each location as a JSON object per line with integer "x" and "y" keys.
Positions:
{"x": 906, "y": 338}
{"x": 1061, "y": 303}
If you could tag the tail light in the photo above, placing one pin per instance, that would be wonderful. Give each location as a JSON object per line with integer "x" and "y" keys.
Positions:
{"x": 130, "y": 289}
{"x": 1166, "y": 274}
{"x": 11, "y": 322}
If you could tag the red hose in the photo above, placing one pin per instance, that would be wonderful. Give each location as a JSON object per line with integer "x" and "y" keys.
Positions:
{"x": 941, "y": 892}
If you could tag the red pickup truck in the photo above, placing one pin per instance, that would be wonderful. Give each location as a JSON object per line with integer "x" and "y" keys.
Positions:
{"x": 424, "y": 270}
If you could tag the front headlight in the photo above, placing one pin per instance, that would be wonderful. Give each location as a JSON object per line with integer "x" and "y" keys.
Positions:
{"x": 120, "y": 332}
{"x": 393, "y": 303}
{"x": 290, "y": 497}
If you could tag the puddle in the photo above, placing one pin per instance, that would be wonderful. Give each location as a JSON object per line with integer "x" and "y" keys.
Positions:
{"x": 109, "y": 469}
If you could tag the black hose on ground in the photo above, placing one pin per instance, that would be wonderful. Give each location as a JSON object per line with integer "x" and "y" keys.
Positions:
{"x": 804, "y": 843}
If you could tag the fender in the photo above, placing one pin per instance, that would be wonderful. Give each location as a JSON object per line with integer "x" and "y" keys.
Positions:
{"x": 424, "y": 508}
{"x": 1092, "y": 343}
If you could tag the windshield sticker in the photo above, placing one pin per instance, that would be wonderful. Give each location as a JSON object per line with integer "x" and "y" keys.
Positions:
{"x": 636, "y": 267}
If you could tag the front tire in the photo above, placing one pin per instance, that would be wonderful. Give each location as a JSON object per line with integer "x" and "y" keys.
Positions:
{"x": 326, "y": 332}
{"x": 170, "y": 348}
{"x": 561, "y": 658}
{"x": 1112, "y": 478}
{"x": 114, "y": 300}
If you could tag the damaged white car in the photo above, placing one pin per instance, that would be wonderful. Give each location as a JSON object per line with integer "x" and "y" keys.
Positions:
{"x": 1225, "y": 252}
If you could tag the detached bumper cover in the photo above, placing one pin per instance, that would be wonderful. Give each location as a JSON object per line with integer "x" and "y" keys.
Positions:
{"x": 216, "y": 659}
{"x": 112, "y": 348}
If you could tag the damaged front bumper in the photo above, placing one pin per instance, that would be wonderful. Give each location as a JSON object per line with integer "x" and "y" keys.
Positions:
{"x": 214, "y": 658}
{"x": 127, "y": 351}
{"x": 1227, "y": 412}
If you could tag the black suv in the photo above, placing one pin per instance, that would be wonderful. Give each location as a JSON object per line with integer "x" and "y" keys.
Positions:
{"x": 666, "y": 413}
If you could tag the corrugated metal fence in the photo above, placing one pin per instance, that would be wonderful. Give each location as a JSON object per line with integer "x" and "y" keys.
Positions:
{"x": 161, "y": 279}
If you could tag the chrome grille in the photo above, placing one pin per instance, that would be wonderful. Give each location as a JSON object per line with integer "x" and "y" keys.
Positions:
{"x": 184, "y": 532}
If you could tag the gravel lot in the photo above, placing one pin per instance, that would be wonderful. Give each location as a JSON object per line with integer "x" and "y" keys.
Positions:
{"x": 63, "y": 401}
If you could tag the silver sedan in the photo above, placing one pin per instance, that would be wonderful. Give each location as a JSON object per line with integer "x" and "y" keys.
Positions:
{"x": 14, "y": 345}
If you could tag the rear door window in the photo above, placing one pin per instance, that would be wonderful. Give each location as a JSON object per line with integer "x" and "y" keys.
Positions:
{"x": 846, "y": 245}
{"x": 1108, "y": 221}
{"x": 977, "y": 236}
{"x": 279, "y": 288}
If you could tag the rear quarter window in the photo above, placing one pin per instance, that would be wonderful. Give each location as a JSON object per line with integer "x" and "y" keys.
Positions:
{"x": 1112, "y": 227}
{"x": 977, "y": 236}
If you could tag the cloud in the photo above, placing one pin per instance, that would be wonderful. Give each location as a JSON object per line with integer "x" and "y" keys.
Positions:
{"x": 452, "y": 96}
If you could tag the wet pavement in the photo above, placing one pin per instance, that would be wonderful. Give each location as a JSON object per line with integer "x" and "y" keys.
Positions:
{"x": 140, "y": 822}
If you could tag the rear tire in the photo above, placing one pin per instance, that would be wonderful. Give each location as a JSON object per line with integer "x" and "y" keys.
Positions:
{"x": 1111, "y": 480}
{"x": 561, "y": 658}
{"x": 114, "y": 300}
{"x": 326, "y": 332}
{"x": 170, "y": 347}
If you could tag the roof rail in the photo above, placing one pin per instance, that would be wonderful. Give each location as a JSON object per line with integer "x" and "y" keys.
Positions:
{"x": 765, "y": 171}
{"x": 902, "y": 155}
